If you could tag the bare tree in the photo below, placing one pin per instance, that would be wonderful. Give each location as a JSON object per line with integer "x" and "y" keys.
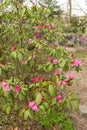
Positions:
{"x": 69, "y": 10}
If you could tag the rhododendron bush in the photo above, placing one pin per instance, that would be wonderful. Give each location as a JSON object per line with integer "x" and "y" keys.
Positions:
{"x": 33, "y": 69}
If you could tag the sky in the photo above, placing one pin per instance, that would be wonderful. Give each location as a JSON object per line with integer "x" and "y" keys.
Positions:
{"x": 79, "y": 7}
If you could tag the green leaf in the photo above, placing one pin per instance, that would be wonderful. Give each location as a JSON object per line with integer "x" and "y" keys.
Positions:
{"x": 8, "y": 110}
{"x": 0, "y": 71}
{"x": 14, "y": 55}
{"x": 46, "y": 105}
{"x": 22, "y": 12}
{"x": 16, "y": 107}
{"x": 26, "y": 115}
{"x": 20, "y": 57}
{"x": 54, "y": 101}
{"x": 42, "y": 107}
{"x": 69, "y": 104}
{"x": 0, "y": 14}
{"x": 21, "y": 112}
{"x": 63, "y": 63}
{"x": 31, "y": 114}
{"x": 51, "y": 90}
{"x": 76, "y": 106}
{"x": 38, "y": 98}
{"x": 50, "y": 67}
{"x": 7, "y": 2}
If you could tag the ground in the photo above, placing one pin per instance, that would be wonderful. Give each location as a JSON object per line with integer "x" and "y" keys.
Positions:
{"x": 81, "y": 90}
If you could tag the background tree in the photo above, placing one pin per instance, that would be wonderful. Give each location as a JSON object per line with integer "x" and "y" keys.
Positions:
{"x": 52, "y": 5}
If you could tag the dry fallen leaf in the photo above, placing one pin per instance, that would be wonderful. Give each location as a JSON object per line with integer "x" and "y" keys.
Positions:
{"x": 16, "y": 128}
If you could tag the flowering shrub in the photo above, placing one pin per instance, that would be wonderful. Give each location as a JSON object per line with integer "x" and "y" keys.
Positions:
{"x": 33, "y": 72}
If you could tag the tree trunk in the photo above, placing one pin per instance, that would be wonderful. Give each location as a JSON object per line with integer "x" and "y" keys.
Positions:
{"x": 69, "y": 10}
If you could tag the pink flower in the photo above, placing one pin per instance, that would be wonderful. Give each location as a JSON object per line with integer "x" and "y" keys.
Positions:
{"x": 17, "y": 89}
{"x": 70, "y": 76}
{"x": 37, "y": 35}
{"x": 33, "y": 106}
{"x": 35, "y": 80}
{"x": 64, "y": 83}
{"x": 49, "y": 28}
{"x": 57, "y": 73}
{"x": 33, "y": 3}
{"x": 8, "y": 12}
{"x": 40, "y": 27}
{"x": 52, "y": 25}
{"x": 42, "y": 99}
{"x": 72, "y": 55}
{"x": 43, "y": 79}
{"x": 59, "y": 83}
{"x": 59, "y": 98}
{"x": 1, "y": 65}
{"x": 50, "y": 59}
{"x": 60, "y": 101}
{"x": 42, "y": 38}
{"x": 24, "y": 62}
{"x": 30, "y": 40}
{"x": 55, "y": 61}
{"x": 76, "y": 63}
{"x": 54, "y": 45}
{"x": 5, "y": 87}
{"x": 13, "y": 48}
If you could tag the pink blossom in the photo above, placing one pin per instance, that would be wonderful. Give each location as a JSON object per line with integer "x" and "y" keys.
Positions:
{"x": 33, "y": 3}
{"x": 35, "y": 80}
{"x": 59, "y": 83}
{"x": 42, "y": 99}
{"x": 57, "y": 73}
{"x": 42, "y": 38}
{"x": 59, "y": 98}
{"x": 37, "y": 35}
{"x": 60, "y": 101}
{"x": 8, "y": 12}
{"x": 72, "y": 55}
{"x": 5, "y": 87}
{"x": 1, "y": 65}
{"x": 33, "y": 106}
{"x": 52, "y": 25}
{"x": 70, "y": 76}
{"x": 76, "y": 63}
{"x": 55, "y": 61}
{"x": 13, "y": 48}
{"x": 50, "y": 59}
{"x": 17, "y": 89}
{"x": 49, "y": 28}
{"x": 54, "y": 45}
{"x": 30, "y": 40}
{"x": 64, "y": 83}
{"x": 24, "y": 62}
{"x": 43, "y": 79}
{"x": 40, "y": 27}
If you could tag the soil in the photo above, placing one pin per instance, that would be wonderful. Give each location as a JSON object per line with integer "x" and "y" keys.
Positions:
{"x": 81, "y": 90}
